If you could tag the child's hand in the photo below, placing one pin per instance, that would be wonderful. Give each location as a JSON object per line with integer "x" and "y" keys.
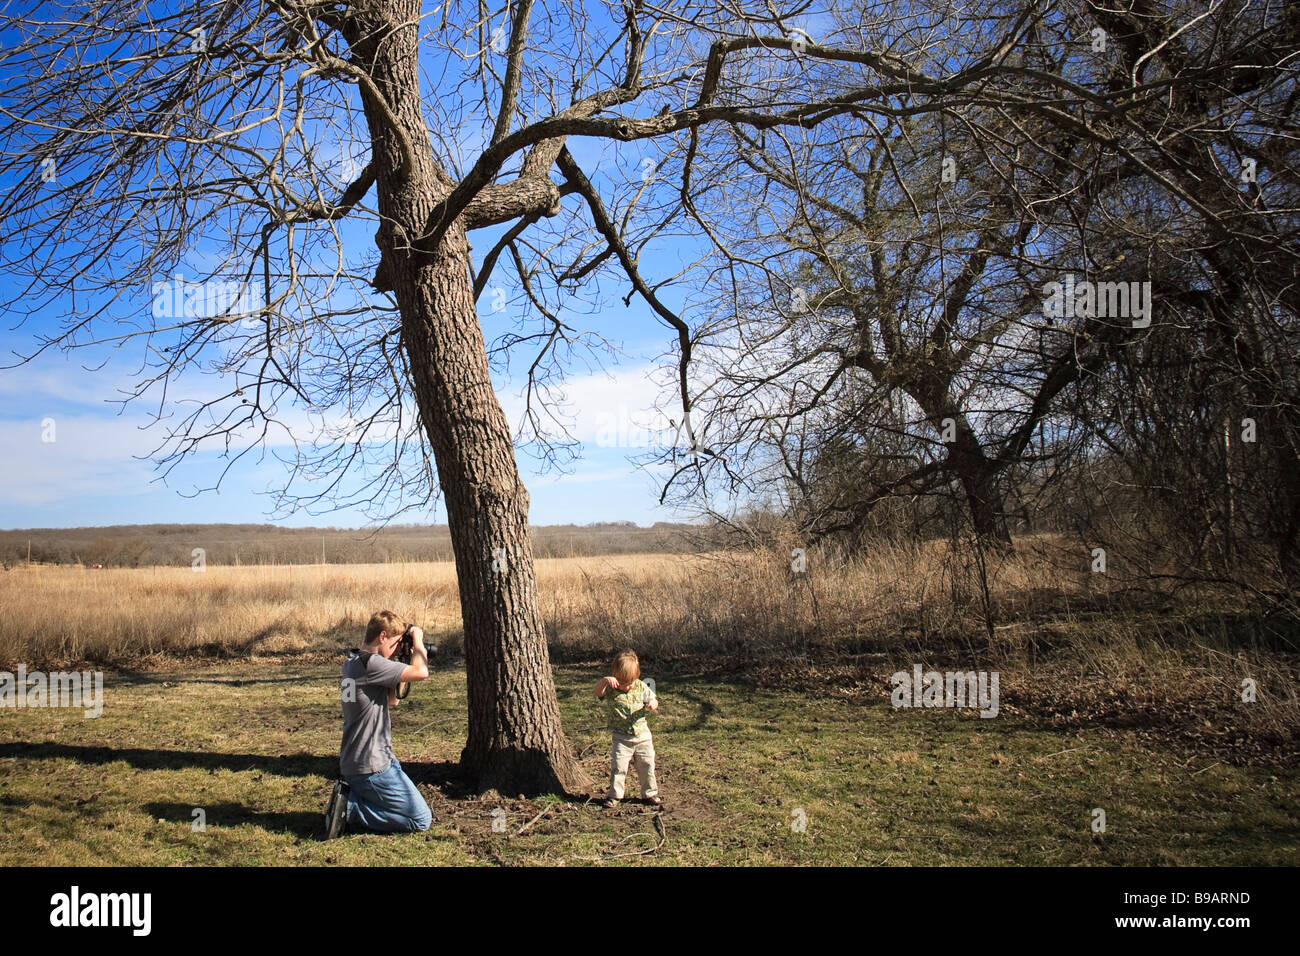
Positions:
{"x": 652, "y": 705}
{"x": 611, "y": 682}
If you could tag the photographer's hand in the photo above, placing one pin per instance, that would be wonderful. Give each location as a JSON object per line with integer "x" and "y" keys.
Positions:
{"x": 418, "y": 666}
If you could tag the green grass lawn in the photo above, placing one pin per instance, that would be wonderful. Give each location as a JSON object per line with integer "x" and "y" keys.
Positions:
{"x": 255, "y": 748}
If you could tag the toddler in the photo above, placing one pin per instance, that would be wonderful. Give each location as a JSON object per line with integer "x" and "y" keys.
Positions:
{"x": 627, "y": 699}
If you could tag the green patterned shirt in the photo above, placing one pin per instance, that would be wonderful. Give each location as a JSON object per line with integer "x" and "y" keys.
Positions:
{"x": 626, "y": 709}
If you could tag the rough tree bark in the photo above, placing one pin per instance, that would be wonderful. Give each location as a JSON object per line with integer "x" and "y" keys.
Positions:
{"x": 515, "y": 743}
{"x": 976, "y": 472}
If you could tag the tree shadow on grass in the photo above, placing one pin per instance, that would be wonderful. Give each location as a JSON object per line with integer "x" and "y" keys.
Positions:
{"x": 443, "y": 775}
{"x": 303, "y": 824}
{"x": 685, "y": 690}
{"x": 121, "y": 676}
{"x": 300, "y": 764}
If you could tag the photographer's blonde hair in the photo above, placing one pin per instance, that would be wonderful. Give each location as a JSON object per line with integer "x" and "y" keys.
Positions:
{"x": 625, "y": 666}
{"x": 384, "y": 622}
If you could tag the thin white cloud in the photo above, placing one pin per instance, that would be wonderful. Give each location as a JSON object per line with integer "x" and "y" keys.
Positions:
{"x": 58, "y": 459}
{"x": 606, "y": 409}
{"x": 96, "y": 452}
{"x": 27, "y": 387}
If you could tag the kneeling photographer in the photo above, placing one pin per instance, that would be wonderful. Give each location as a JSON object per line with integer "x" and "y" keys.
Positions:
{"x": 375, "y": 794}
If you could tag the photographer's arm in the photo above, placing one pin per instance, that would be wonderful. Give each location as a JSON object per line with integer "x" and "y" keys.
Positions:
{"x": 418, "y": 669}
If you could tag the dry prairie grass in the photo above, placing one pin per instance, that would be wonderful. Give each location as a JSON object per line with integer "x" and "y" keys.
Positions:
{"x": 670, "y": 605}
{"x": 59, "y": 616}
{"x": 55, "y": 616}
{"x": 1073, "y": 646}
{"x": 719, "y": 604}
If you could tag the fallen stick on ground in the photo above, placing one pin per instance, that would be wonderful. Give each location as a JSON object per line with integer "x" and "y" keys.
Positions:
{"x": 524, "y": 828}
{"x": 663, "y": 838}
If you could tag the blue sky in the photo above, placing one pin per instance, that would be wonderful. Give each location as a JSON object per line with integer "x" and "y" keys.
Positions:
{"x": 79, "y": 458}
{"x": 95, "y": 470}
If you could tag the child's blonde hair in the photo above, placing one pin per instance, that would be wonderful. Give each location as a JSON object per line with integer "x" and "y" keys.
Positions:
{"x": 625, "y": 666}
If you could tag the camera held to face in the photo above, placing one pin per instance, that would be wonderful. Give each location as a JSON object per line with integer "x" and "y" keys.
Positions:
{"x": 405, "y": 649}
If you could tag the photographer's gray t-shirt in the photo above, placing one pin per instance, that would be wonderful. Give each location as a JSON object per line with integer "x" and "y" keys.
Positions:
{"x": 367, "y": 733}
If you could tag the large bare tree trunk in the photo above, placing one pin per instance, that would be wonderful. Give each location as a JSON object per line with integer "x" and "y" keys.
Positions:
{"x": 516, "y": 743}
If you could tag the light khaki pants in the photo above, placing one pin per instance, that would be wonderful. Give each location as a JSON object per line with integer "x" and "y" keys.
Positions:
{"x": 638, "y": 750}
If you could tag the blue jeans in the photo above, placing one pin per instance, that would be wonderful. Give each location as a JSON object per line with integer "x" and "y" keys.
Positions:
{"x": 387, "y": 802}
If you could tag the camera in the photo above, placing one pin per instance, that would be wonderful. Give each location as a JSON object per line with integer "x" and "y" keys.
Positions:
{"x": 405, "y": 649}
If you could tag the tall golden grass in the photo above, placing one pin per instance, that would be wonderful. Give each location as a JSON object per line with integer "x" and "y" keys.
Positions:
{"x": 1070, "y": 636}
{"x": 719, "y": 603}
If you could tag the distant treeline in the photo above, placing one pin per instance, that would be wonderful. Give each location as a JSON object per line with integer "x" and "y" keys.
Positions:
{"x": 173, "y": 544}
